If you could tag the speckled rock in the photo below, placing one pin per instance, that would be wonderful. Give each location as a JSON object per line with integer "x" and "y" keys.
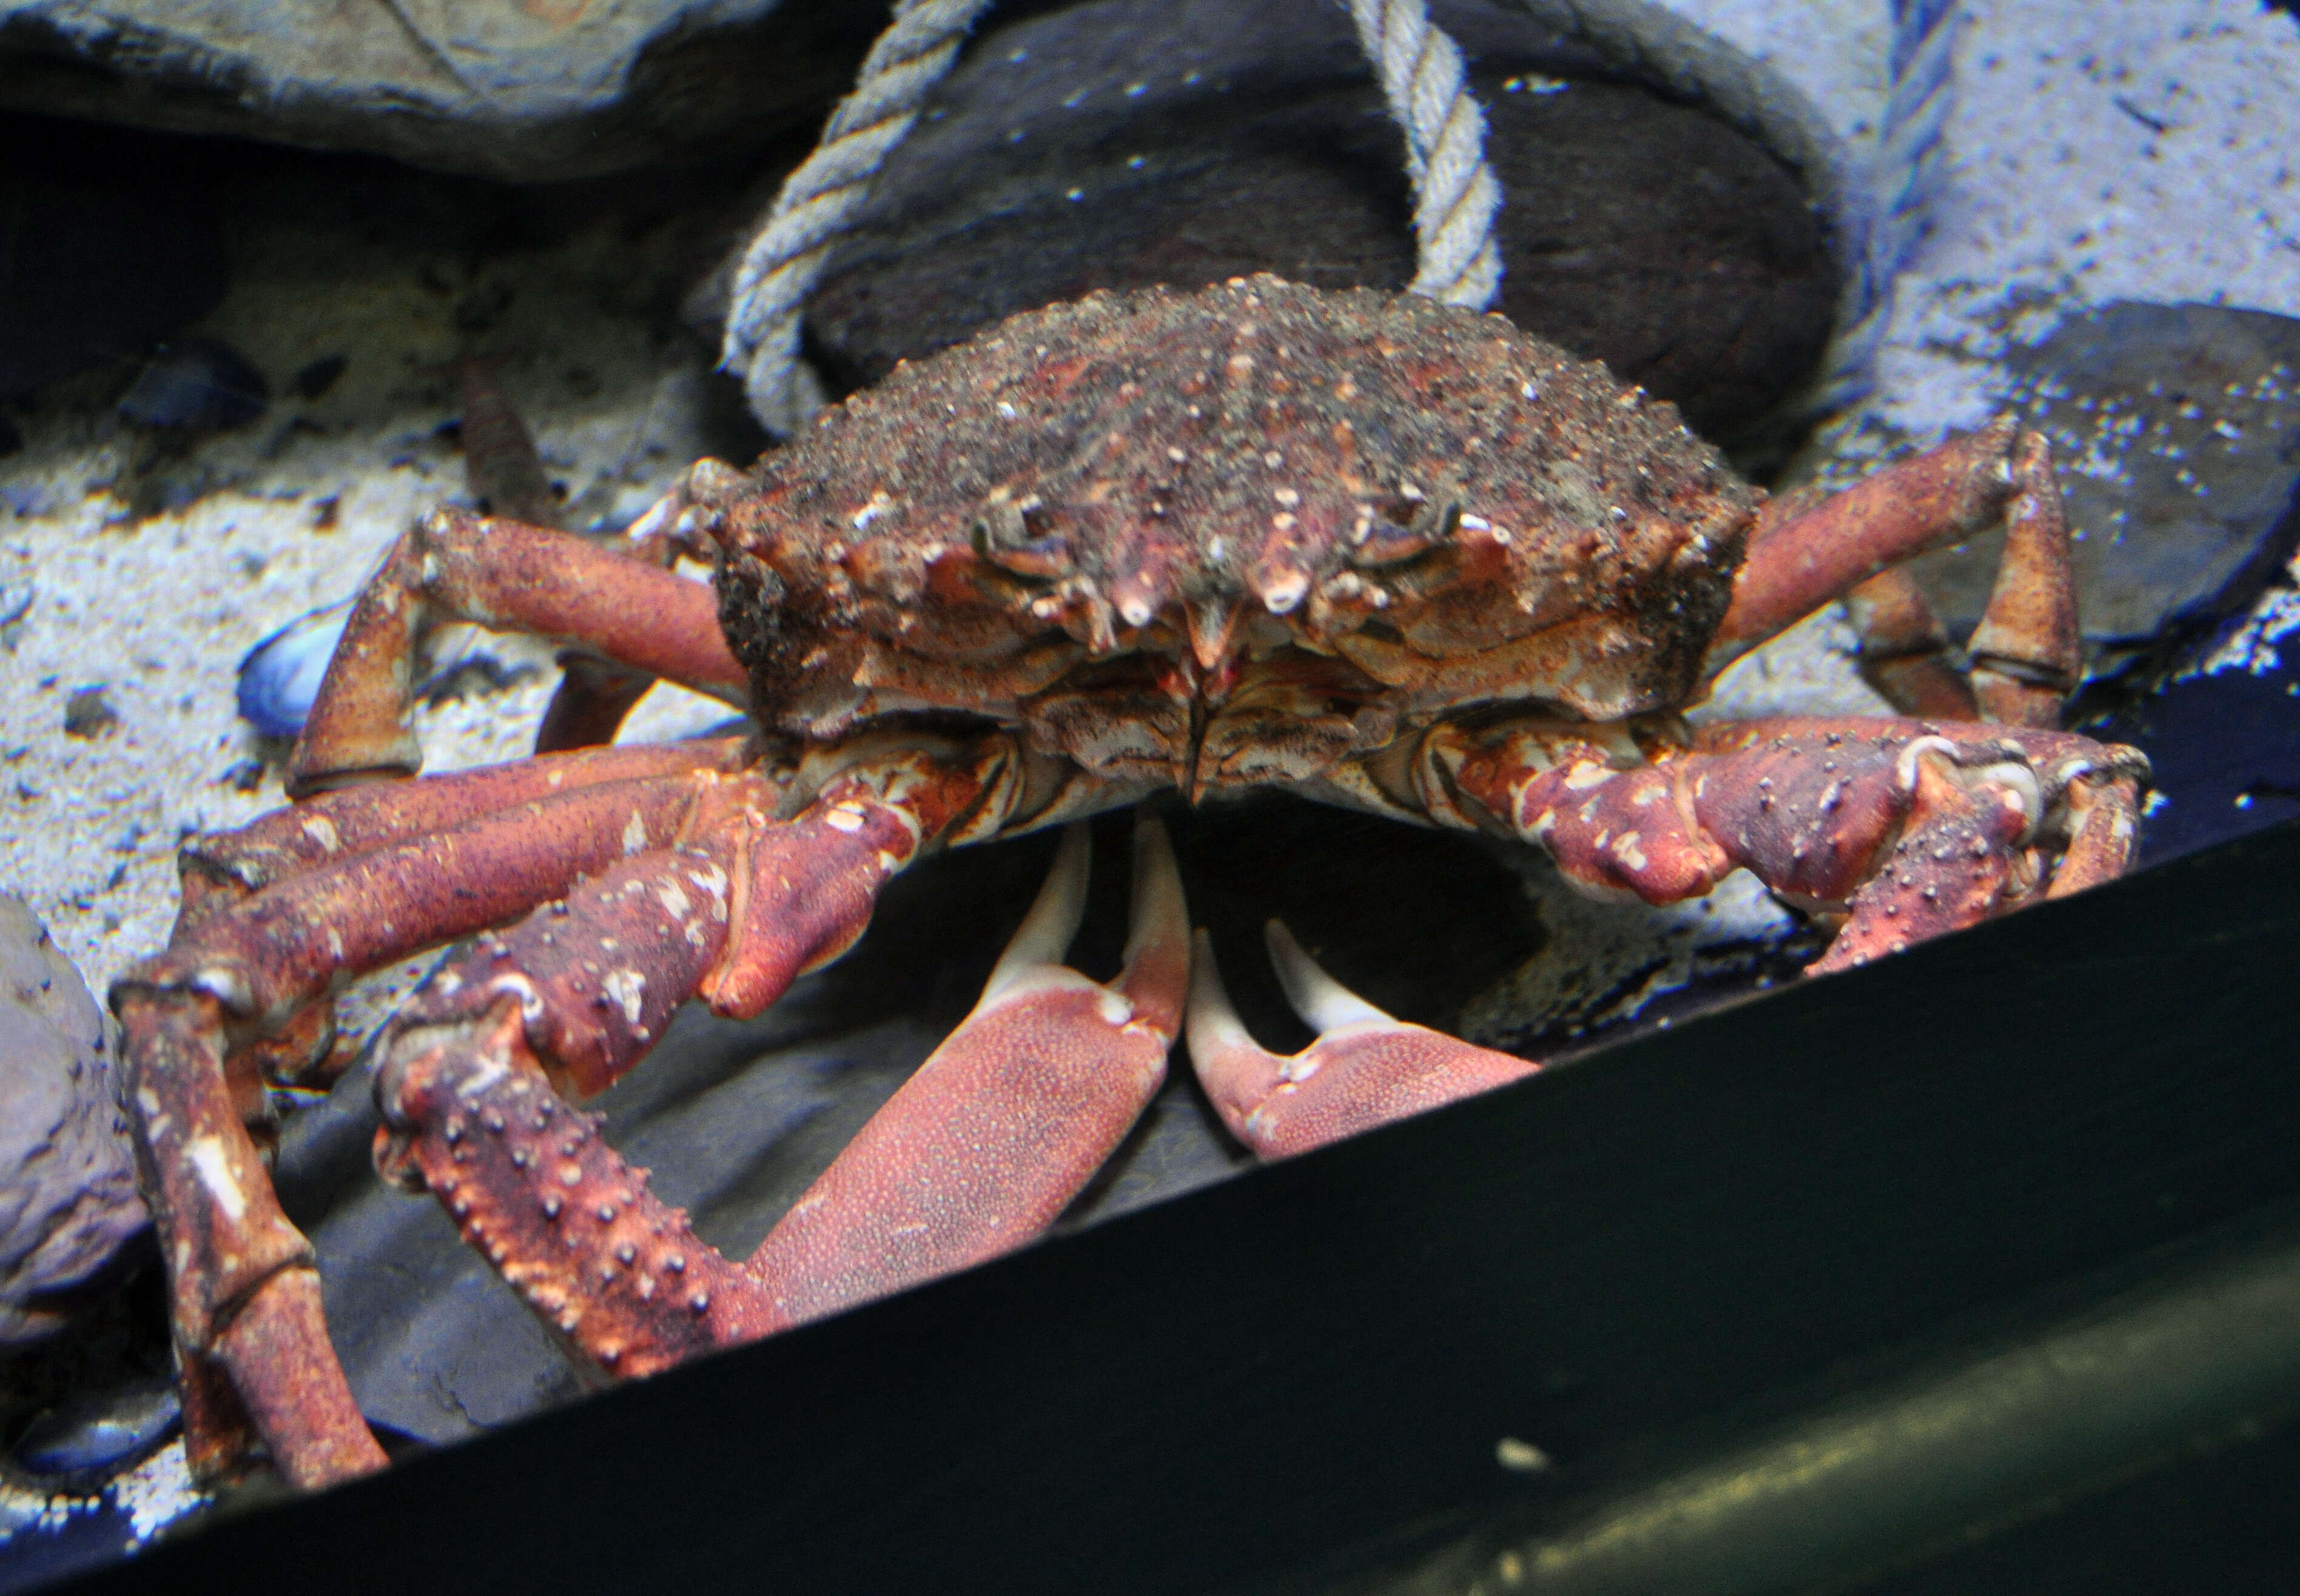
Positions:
{"x": 2176, "y": 430}
{"x": 68, "y": 1198}
{"x": 1127, "y": 143}
{"x": 524, "y": 89}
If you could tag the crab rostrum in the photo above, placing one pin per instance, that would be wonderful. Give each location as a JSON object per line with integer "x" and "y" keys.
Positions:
{"x": 1382, "y": 552}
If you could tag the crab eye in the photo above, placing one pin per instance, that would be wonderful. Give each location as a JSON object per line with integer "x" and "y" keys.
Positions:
{"x": 1013, "y": 538}
{"x": 1403, "y": 529}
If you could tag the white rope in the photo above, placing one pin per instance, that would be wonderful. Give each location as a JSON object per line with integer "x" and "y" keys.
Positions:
{"x": 1455, "y": 196}
{"x": 1905, "y": 171}
{"x": 819, "y": 203}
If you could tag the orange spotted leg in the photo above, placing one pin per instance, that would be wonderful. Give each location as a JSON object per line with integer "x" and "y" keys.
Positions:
{"x": 977, "y": 1154}
{"x": 1365, "y": 1069}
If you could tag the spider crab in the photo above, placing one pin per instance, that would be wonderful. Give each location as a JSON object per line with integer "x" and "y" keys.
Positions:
{"x": 1386, "y": 553}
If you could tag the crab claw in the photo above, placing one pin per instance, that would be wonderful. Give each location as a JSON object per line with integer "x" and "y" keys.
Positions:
{"x": 1365, "y": 1069}
{"x": 986, "y": 1145}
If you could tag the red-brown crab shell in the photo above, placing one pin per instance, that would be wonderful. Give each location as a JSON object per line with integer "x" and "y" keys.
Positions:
{"x": 1233, "y": 538}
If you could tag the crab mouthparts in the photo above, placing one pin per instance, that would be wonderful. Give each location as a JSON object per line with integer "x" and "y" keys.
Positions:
{"x": 1201, "y": 686}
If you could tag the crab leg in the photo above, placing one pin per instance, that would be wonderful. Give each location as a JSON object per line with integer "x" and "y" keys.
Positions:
{"x": 1905, "y": 648}
{"x": 739, "y": 908}
{"x": 978, "y": 1152}
{"x": 1915, "y": 828}
{"x": 2026, "y": 651}
{"x": 1365, "y": 1069}
{"x": 244, "y": 1298}
{"x": 223, "y": 869}
{"x": 278, "y": 952}
{"x": 458, "y": 567}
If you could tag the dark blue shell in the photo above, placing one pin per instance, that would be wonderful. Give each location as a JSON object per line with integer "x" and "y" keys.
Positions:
{"x": 196, "y": 385}
{"x": 281, "y": 676}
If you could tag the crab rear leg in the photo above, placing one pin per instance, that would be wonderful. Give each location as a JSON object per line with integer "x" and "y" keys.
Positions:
{"x": 1807, "y": 552}
{"x": 1365, "y": 1069}
{"x": 458, "y": 567}
{"x": 980, "y": 1151}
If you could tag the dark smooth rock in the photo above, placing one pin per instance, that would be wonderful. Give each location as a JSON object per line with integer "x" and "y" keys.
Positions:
{"x": 314, "y": 381}
{"x": 1132, "y": 142}
{"x": 2176, "y": 431}
{"x": 92, "y": 1434}
{"x": 68, "y": 1198}
{"x": 108, "y": 243}
{"x": 88, "y": 713}
{"x": 541, "y": 89}
{"x": 196, "y": 385}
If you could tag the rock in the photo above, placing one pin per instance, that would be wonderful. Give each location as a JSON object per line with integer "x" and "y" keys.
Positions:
{"x": 2176, "y": 431}
{"x": 88, "y": 713}
{"x": 1131, "y": 142}
{"x": 67, "y": 1197}
{"x": 90, "y": 1434}
{"x": 2223, "y": 731}
{"x": 314, "y": 381}
{"x": 527, "y": 91}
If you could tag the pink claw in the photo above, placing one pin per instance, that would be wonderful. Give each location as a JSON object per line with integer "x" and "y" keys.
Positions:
{"x": 1365, "y": 1069}
{"x": 986, "y": 1145}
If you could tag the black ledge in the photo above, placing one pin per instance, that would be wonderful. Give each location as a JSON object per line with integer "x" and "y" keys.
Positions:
{"x": 1259, "y": 1376}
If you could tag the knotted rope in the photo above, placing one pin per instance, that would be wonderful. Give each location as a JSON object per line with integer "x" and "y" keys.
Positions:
{"x": 819, "y": 203}
{"x": 1455, "y": 196}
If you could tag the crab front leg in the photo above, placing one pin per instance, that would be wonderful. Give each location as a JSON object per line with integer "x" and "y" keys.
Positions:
{"x": 1908, "y": 828}
{"x": 981, "y": 1150}
{"x": 690, "y": 886}
{"x": 1365, "y": 1069}
{"x": 281, "y": 917}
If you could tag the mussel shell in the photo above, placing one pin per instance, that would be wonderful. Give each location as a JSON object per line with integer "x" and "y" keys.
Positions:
{"x": 92, "y": 1434}
{"x": 196, "y": 385}
{"x": 281, "y": 676}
